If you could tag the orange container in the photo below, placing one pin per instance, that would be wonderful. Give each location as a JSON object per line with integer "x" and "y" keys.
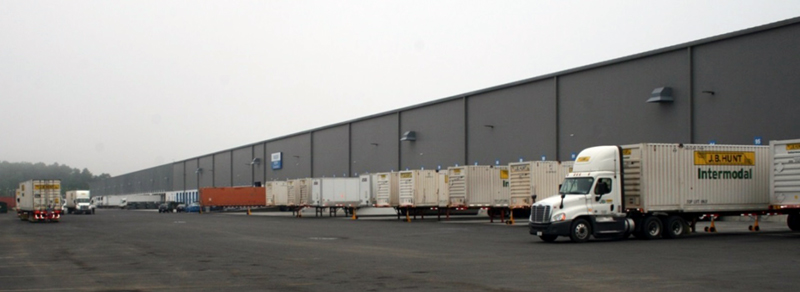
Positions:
{"x": 236, "y": 196}
{"x": 11, "y": 201}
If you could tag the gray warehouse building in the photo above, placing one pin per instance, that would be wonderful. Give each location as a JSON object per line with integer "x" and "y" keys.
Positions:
{"x": 738, "y": 88}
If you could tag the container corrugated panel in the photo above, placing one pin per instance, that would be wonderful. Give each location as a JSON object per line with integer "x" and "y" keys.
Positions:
{"x": 387, "y": 193}
{"x": 419, "y": 188}
{"x": 699, "y": 177}
{"x": 501, "y": 195}
{"x": 474, "y": 186}
{"x": 301, "y": 192}
{"x": 278, "y": 193}
{"x": 442, "y": 191}
{"x": 233, "y": 196}
{"x": 291, "y": 192}
{"x": 10, "y": 201}
{"x": 540, "y": 178}
{"x": 40, "y": 194}
{"x": 785, "y": 174}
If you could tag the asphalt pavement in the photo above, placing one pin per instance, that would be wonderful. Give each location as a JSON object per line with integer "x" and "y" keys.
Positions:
{"x": 126, "y": 250}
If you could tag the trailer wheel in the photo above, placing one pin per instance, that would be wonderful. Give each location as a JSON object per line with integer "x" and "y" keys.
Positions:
{"x": 675, "y": 227}
{"x": 548, "y": 238}
{"x": 581, "y": 230}
{"x": 793, "y": 221}
{"x": 652, "y": 228}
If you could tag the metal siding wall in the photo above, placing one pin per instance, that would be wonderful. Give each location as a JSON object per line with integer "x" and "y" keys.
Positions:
{"x": 756, "y": 88}
{"x": 206, "y": 174}
{"x": 523, "y": 119}
{"x": 331, "y": 152}
{"x": 296, "y": 157}
{"x": 179, "y": 172}
{"x": 260, "y": 171}
{"x": 191, "y": 175}
{"x": 440, "y": 136}
{"x": 242, "y": 169}
{"x": 607, "y": 105}
{"x": 374, "y": 158}
{"x": 222, "y": 169}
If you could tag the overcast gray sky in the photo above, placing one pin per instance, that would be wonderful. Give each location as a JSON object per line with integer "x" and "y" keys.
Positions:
{"x": 120, "y": 86}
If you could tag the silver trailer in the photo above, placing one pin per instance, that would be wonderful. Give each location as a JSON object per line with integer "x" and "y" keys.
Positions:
{"x": 277, "y": 193}
{"x": 478, "y": 186}
{"x": 387, "y": 194}
{"x": 336, "y": 192}
{"x": 419, "y": 188}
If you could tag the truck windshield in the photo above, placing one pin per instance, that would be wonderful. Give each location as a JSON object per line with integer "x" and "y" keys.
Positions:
{"x": 576, "y": 186}
{"x": 82, "y": 200}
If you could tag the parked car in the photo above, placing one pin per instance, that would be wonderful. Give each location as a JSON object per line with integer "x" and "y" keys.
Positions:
{"x": 169, "y": 207}
{"x": 193, "y": 207}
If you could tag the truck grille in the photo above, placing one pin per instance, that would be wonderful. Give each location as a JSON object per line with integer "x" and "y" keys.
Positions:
{"x": 540, "y": 214}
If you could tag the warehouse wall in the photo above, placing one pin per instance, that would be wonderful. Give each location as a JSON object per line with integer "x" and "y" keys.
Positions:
{"x": 512, "y": 123}
{"x": 607, "y": 105}
{"x": 729, "y": 89}
{"x": 296, "y": 157}
{"x": 242, "y": 169}
{"x": 756, "y": 87}
{"x": 374, "y": 145}
{"x": 440, "y": 136}
{"x": 331, "y": 152}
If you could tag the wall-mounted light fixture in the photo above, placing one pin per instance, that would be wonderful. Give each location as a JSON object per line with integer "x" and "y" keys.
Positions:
{"x": 708, "y": 92}
{"x": 661, "y": 94}
{"x": 255, "y": 161}
{"x": 489, "y": 126}
{"x": 374, "y": 144}
{"x": 199, "y": 171}
{"x": 409, "y": 136}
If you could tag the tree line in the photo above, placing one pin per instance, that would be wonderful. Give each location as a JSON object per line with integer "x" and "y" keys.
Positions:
{"x": 13, "y": 173}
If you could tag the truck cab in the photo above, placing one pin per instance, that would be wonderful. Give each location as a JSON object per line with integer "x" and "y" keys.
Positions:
{"x": 589, "y": 201}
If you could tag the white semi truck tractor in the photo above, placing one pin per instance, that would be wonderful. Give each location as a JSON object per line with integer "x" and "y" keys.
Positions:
{"x": 653, "y": 190}
{"x": 79, "y": 202}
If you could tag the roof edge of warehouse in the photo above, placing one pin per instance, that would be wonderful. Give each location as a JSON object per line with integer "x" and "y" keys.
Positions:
{"x": 708, "y": 40}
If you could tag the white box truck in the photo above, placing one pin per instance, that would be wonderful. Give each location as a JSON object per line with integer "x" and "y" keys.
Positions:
{"x": 79, "y": 201}
{"x": 535, "y": 180}
{"x": 39, "y": 200}
{"x": 785, "y": 180}
{"x": 651, "y": 190}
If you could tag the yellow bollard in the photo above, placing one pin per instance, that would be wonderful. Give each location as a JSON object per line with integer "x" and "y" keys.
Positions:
{"x": 511, "y": 218}
{"x": 354, "y": 214}
{"x": 408, "y": 219}
{"x": 248, "y": 211}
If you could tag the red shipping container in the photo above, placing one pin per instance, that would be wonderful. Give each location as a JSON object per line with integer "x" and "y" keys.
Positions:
{"x": 233, "y": 197}
{"x": 12, "y": 202}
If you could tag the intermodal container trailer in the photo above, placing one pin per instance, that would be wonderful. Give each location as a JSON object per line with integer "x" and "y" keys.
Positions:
{"x": 337, "y": 191}
{"x": 785, "y": 180}
{"x": 233, "y": 197}
{"x": 300, "y": 192}
{"x": 652, "y": 190}
{"x": 387, "y": 193}
{"x": 478, "y": 186}
{"x": 39, "y": 200}
{"x": 418, "y": 188}
{"x": 535, "y": 180}
{"x": 277, "y": 193}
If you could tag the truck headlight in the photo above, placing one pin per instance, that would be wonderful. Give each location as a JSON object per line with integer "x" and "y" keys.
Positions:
{"x": 559, "y": 217}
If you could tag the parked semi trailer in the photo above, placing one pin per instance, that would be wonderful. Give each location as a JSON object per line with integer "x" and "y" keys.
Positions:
{"x": 39, "y": 200}
{"x": 653, "y": 190}
{"x": 79, "y": 202}
{"x": 785, "y": 180}
{"x": 233, "y": 197}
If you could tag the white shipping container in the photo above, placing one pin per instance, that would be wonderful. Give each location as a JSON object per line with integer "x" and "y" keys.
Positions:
{"x": 785, "y": 174}
{"x": 696, "y": 177}
{"x": 336, "y": 192}
{"x": 277, "y": 193}
{"x": 539, "y": 178}
{"x": 442, "y": 190}
{"x": 387, "y": 193}
{"x": 478, "y": 186}
{"x": 39, "y": 194}
{"x": 300, "y": 192}
{"x": 418, "y": 188}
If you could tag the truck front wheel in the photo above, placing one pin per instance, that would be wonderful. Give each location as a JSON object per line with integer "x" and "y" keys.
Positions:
{"x": 581, "y": 230}
{"x": 651, "y": 228}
